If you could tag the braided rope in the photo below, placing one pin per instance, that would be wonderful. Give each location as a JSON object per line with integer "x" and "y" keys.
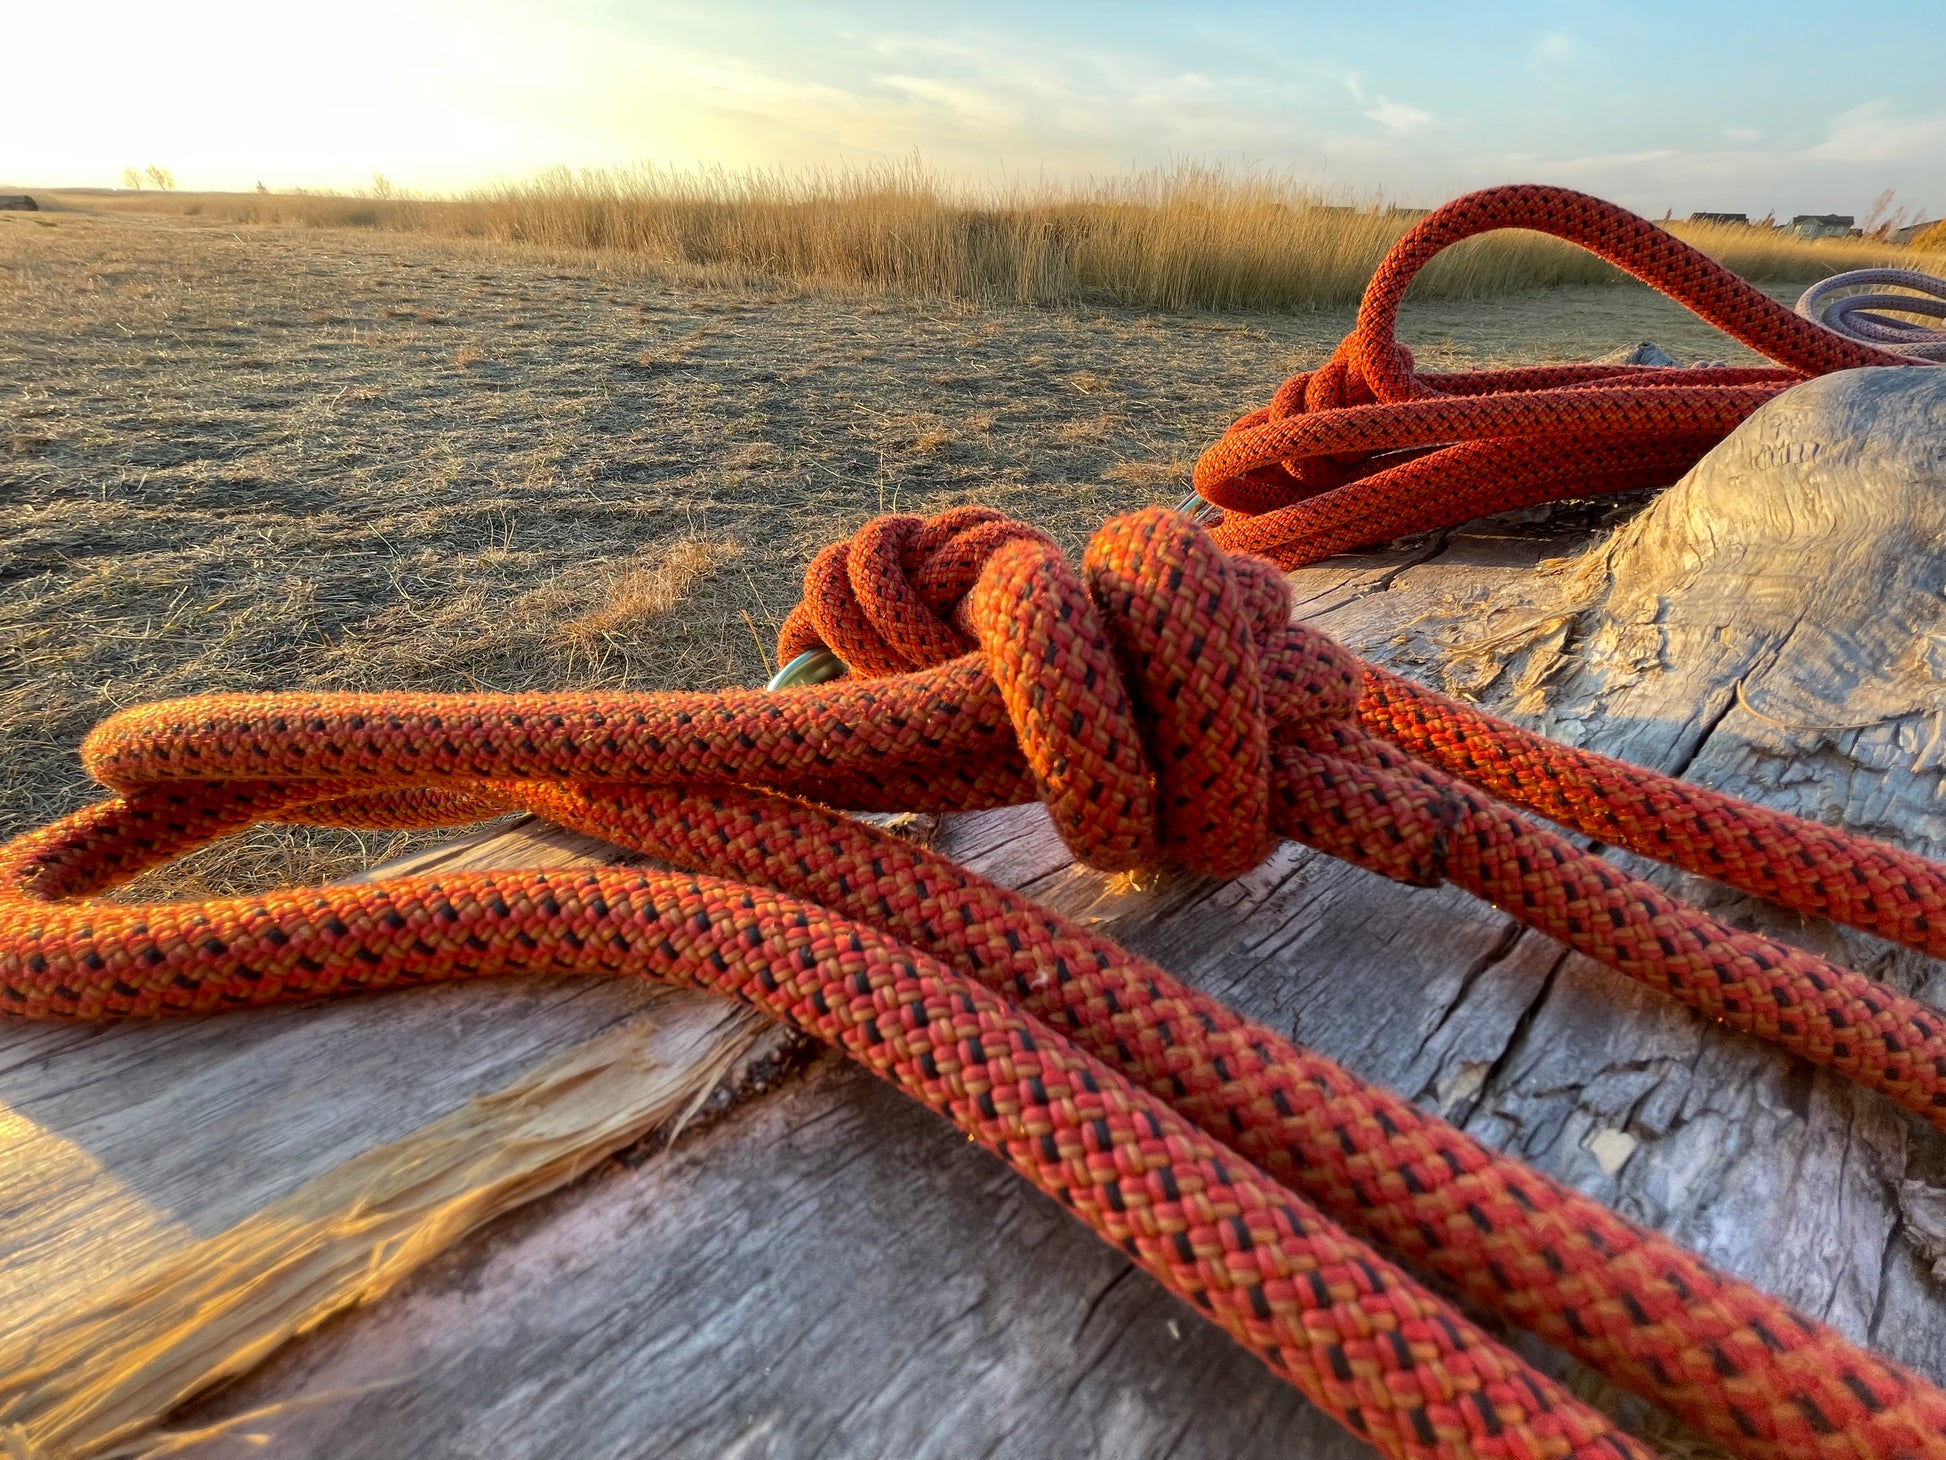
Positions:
{"x": 1160, "y": 703}
{"x": 1363, "y": 449}
{"x": 1854, "y": 316}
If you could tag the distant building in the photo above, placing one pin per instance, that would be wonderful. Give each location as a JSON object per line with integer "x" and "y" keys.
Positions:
{"x": 1822, "y": 225}
{"x": 1912, "y": 233}
{"x": 1741, "y": 220}
{"x": 18, "y": 203}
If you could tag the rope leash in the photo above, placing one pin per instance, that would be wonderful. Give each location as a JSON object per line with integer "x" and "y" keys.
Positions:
{"x": 1161, "y": 704}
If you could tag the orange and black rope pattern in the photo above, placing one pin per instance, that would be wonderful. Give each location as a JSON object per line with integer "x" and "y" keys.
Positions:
{"x": 1798, "y": 864}
{"x": 1364, "y": 449}
{"x": 1736, "y": 1364}
{"x": 1161, "y": 704}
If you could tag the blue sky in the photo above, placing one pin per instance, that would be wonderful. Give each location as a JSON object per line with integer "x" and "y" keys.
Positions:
{"x": 1786, "y": 105}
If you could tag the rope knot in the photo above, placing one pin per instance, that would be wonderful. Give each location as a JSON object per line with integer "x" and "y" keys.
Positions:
{"x": 891, "y": 599}
{"x": 1145, "y": 691}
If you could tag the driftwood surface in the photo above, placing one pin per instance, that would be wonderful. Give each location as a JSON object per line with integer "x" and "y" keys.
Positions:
{"x": 180, "y": 1197}
{"x": 829, "y": 1270}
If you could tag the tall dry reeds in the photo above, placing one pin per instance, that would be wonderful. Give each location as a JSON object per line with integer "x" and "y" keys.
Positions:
{"x": 1189, "y": 237}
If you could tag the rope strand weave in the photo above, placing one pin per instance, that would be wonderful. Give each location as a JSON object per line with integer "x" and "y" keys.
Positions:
{"x": 1161, "y": 704}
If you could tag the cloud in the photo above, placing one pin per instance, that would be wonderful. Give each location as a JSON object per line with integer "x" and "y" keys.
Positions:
{"x": 971, "y": 102}
{"x": 1873, "y": 134}
{"x": 1863, "y": 150}
{"x": 1395, "y": 118}
{"x": 955, "y": 104}
{"x": 1608, "y": 161}
{"x": 1557, "y": 52}
{"x": 1090, "y": 106}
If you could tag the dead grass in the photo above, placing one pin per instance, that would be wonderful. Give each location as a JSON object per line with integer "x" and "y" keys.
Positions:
{"x": 1151, "y": 475}
{"x": 1191, "y": 237}
{"x": 631, "y": 597}
{"x": 1095, "y": 428}
{"x": 247, "y": 460}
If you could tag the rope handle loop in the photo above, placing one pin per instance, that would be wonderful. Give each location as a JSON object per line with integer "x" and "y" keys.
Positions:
{"x": 1632, "y": 243}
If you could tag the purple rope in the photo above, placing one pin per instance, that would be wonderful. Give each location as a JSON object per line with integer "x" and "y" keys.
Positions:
{"x": 1855, "y": 316}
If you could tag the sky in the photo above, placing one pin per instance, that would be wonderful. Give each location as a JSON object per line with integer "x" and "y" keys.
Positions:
{"x": 1785, "y": 106}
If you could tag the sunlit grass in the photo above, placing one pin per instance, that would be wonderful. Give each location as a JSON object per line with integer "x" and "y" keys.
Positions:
{"x": 1186, "y": 238}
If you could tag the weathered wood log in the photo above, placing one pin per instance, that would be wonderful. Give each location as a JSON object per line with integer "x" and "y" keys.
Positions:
{"x": 830, "y": 1270}
{"x": 183, "y": 1197}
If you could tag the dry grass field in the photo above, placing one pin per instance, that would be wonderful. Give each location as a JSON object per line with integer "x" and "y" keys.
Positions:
{"x": 1191, "y": 237}
{"x": 272, "y": 457}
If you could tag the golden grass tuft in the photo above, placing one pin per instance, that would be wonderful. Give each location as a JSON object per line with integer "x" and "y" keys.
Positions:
{"x": 1933, "y": 240}
{"x": 639, "y": 592}
{"x": 1085, "y": 432}
{"x": 1149, "y": 475}
{"x": 1188, "y": 237}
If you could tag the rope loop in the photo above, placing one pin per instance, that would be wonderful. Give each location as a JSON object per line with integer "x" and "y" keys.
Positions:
{"x": 1859, "y": 316}
{"x": 1366, "y": 447}
{"x": 887, "y": 600}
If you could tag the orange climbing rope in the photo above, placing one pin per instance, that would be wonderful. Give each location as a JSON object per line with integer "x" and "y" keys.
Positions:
{"x": 1162, "y": 706}
{"x": 1363, "y": 449}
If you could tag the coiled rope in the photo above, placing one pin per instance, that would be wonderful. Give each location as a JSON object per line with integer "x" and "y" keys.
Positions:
{"x": 1856, "y": 316}
{"x": 1364, "y": 449}
{"x": 1161, "y": 704}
